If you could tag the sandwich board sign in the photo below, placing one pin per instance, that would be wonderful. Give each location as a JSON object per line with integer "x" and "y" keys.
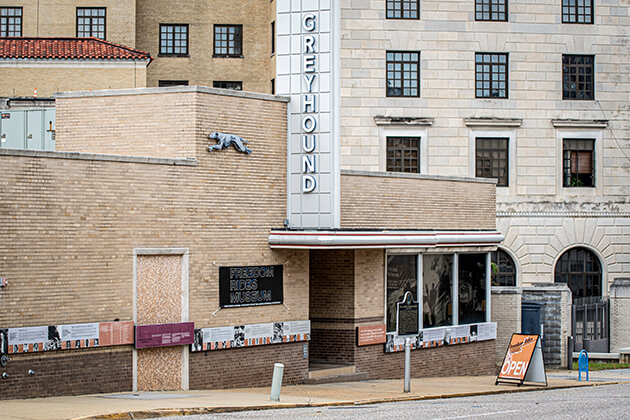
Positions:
{"x": 523, "y": 361}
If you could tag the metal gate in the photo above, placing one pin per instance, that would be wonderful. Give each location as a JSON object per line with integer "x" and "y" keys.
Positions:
{"x": 590, "y": 324}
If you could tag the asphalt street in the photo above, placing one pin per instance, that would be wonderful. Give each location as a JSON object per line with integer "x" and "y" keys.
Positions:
{"x": 601, "y": 402}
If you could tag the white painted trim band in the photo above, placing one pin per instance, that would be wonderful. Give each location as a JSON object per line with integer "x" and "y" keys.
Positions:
{"x": 381, "y": 239}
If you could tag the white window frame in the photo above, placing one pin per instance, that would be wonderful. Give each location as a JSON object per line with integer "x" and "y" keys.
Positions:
{"x": 400, "y": 131}
{"x": 580, "y": 134}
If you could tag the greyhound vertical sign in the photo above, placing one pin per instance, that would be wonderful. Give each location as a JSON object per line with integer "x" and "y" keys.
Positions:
{"x": 306, "y": 70}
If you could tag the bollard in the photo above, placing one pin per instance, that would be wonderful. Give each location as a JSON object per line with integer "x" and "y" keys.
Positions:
{"x": 276, "y": 382}
{"x": 570, "y": 347}
{"x": 407, "y": 364}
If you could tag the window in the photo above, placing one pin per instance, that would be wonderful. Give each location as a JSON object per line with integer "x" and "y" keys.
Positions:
{"x": 10, "y": 21}
{"x": 403, "y": 154}
{"x": 438, "y": 281}
{"x": 273, "y": 37}
{"x": 403, "y": 70}
{"x": 580, "y": 269}
{"x": 472, "y": 288}
{"x": 91, "y": 22}
{"x": 578, "y": 77}
{"x": 491, "y": 10}
{"x": 577, "y": 11}
{"x": 173, "y": 40}
{"x": 578, "y": 158}
{"x": 504, "y": 270}
{"x": 166, "y": 83}
{"x": 401, "y": 278}
{"x": 403, "y": 9}
{"x": 437, "y": 288}
{"x": 228, "y": 40}
{"x": 228, "y": 85}
{"x": 491, "y": 159}
{"x": 491, "y": 75}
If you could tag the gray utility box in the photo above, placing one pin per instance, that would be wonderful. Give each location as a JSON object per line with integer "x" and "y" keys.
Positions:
{"x": 31, "y": 129}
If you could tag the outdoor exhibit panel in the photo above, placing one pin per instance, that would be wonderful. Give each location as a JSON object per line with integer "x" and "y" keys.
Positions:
{"x": 81, "y": 228}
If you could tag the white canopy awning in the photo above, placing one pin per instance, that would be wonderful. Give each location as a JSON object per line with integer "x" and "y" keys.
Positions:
{"x": 340, "y": 239}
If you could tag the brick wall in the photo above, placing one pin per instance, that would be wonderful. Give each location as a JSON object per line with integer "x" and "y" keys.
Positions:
{"x": 458, "y": 360}
{"x": 58, "y": 18}
{"x": 86, "y": 371}
{"x": 415, "y": 202}
{"x": 369, "y": 285}
{"x": 173, "y": 122}
{"x": 59, "y": 77}
{"x": 506, "y": 312}
{"x": 200, "y": 67}
{"x": 72, "y": 221}
{"x": 77, "y": 220}
{"x": 246, "y": 367}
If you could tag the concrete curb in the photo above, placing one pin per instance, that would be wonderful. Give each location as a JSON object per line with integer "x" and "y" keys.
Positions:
{"x": 167, "y": 412}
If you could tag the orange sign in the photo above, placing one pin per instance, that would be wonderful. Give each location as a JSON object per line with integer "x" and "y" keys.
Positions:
{"x": 518, "y": 356}
{"x": 116, "y": 333}
{"x": 372, "y": 334}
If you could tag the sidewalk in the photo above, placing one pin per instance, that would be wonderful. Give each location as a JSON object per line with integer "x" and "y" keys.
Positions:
{"x": 156, "y": 404}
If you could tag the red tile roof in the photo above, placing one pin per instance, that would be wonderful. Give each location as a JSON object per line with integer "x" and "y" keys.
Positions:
{"x": 67, "y": 49}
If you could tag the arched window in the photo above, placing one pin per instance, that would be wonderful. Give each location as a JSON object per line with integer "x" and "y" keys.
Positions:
{"x": 504, "y": 271}
{"x": 581, "y": 270}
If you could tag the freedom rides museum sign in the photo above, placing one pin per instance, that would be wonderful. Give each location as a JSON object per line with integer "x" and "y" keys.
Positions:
{"x": 250, "y": 285}
{"x": 307, "y": 66}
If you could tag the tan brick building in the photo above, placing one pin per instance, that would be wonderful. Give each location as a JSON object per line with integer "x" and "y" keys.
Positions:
{"x": 191, "y": 42}
{"x": 133, "y": 219}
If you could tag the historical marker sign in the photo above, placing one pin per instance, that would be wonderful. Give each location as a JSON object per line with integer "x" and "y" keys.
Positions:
{"x": 407, "y": 316}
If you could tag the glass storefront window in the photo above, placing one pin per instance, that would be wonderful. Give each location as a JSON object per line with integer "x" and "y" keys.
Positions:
{"x": 437, "y": 283}
{"x": 472, "y": 288}
{"x": 402, "y": 277}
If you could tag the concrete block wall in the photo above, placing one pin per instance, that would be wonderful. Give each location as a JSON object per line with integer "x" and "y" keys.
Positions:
{"x": 409, "y": 201}
{"x": 506, "y": 312}
{"x": 556, "y": 314}
{"x": 619, "y": 311}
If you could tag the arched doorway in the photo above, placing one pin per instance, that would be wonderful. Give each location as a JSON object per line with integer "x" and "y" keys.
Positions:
{"x": 581, "y": 270}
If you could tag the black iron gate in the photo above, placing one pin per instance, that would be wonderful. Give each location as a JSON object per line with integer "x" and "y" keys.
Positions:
{"x": 590, "y": 324}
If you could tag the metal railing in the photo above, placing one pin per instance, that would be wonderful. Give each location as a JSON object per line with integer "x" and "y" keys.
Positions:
{"x": 590, "y": 324}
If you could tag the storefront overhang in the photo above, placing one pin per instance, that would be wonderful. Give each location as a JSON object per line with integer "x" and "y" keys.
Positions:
{"x": 344, "y": 239}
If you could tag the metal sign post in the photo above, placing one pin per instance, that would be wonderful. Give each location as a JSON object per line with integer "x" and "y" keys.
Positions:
{"x": 407, "y": 364}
